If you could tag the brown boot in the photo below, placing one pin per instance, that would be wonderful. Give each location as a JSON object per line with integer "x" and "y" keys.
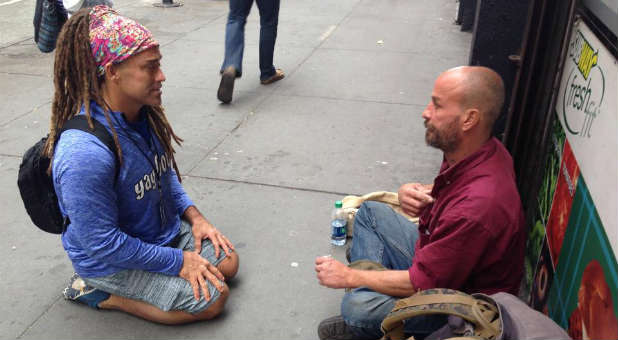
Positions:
{"x": 275, "y": 77}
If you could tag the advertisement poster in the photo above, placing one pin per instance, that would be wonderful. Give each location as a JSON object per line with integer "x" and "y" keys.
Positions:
{"x": 542, "y": 281}
{"x": 535, "y": 246}
{"x": 587, "y": 106}
{"x": 583, "y": 297}
{"x": 563, "y": 200}
{"x": 576, "y": 274}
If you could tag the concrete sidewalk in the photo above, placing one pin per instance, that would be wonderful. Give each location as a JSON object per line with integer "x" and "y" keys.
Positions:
{"x": 265, "y": 169}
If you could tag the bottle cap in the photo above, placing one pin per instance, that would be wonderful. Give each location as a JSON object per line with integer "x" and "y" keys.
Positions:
{"x": 338, "y": 204}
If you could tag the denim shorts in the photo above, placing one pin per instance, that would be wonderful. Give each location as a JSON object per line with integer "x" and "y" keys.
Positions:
{"x": 163, "y": 291}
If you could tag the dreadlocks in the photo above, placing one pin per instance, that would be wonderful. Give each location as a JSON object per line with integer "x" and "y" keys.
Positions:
{"x": 76, "y": 84}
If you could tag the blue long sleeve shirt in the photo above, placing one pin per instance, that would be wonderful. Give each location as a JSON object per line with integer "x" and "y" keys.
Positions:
{"x": 124, "y": 222}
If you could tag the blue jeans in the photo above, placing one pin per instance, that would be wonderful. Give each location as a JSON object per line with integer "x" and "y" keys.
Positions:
{"x": 384, "y": 236}
{"x": 235, "y": 35}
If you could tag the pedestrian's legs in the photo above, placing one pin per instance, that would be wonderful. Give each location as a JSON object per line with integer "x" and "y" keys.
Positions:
{"x": 235, "y": 34}
{"x": 384, "y": 236}
{"x": 269, "y": 19}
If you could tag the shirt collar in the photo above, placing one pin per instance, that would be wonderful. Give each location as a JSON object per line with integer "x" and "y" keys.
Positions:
{"x": 448, "y": 174}
{"x": 117, "y": 117}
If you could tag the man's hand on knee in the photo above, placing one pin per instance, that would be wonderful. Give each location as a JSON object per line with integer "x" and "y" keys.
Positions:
{"x": 197, "y": 270}
{"x": 414, "y": 197}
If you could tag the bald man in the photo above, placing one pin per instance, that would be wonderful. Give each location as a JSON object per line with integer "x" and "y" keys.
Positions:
{"x": 471, "y": 233}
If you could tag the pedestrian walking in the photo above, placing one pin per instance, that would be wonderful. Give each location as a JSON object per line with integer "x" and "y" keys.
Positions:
{"x": 235, "y": 44}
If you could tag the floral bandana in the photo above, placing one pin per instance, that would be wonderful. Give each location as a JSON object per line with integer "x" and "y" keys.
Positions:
{"x": 114, "y": 38}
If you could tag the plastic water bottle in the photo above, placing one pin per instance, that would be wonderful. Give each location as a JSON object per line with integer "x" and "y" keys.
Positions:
{"x": 338, "y": 225}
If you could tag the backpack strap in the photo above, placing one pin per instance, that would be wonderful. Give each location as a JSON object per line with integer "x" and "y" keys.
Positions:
{"x": 482, "y": 314}
{"x": 80, "y": 122}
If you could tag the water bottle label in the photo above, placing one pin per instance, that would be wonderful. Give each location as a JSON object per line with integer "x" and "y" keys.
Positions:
{"x": 339, "y": 231}
{"x": 339, "y": 228}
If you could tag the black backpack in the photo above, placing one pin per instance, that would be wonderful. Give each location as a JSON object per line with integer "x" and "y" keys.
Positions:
{"x": 37, "y": 188}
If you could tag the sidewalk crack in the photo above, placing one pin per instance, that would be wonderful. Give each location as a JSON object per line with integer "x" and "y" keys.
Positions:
{"x": 278, "y": 186}
{"x": 38, "y": 318}
{"x": 24, "y": 114}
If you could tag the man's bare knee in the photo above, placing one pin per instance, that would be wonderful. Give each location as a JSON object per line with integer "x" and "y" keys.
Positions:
{"x": 217, "y": 307}
{"x": 229, "y": 266}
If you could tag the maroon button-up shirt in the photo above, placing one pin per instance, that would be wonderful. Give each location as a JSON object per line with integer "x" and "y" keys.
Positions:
{"x": 472, "y": 238}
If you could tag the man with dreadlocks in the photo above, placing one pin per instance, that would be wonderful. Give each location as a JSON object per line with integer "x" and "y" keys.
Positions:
{"x": 137, "y": 242}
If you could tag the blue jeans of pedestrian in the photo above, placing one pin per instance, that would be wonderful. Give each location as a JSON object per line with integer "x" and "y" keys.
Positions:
{"x": 235, "y": 35}
{"x": 384, "y": 236}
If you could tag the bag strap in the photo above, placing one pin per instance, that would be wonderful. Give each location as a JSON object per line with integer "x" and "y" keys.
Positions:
{"x": 80, "y": 122}
{"x": 479, "y": 312}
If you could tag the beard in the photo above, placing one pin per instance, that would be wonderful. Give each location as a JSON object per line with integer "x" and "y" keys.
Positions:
{"x": 446, "y": 139}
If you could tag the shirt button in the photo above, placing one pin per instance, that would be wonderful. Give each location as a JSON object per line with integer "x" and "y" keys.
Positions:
{"x": 448, "y": 182}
